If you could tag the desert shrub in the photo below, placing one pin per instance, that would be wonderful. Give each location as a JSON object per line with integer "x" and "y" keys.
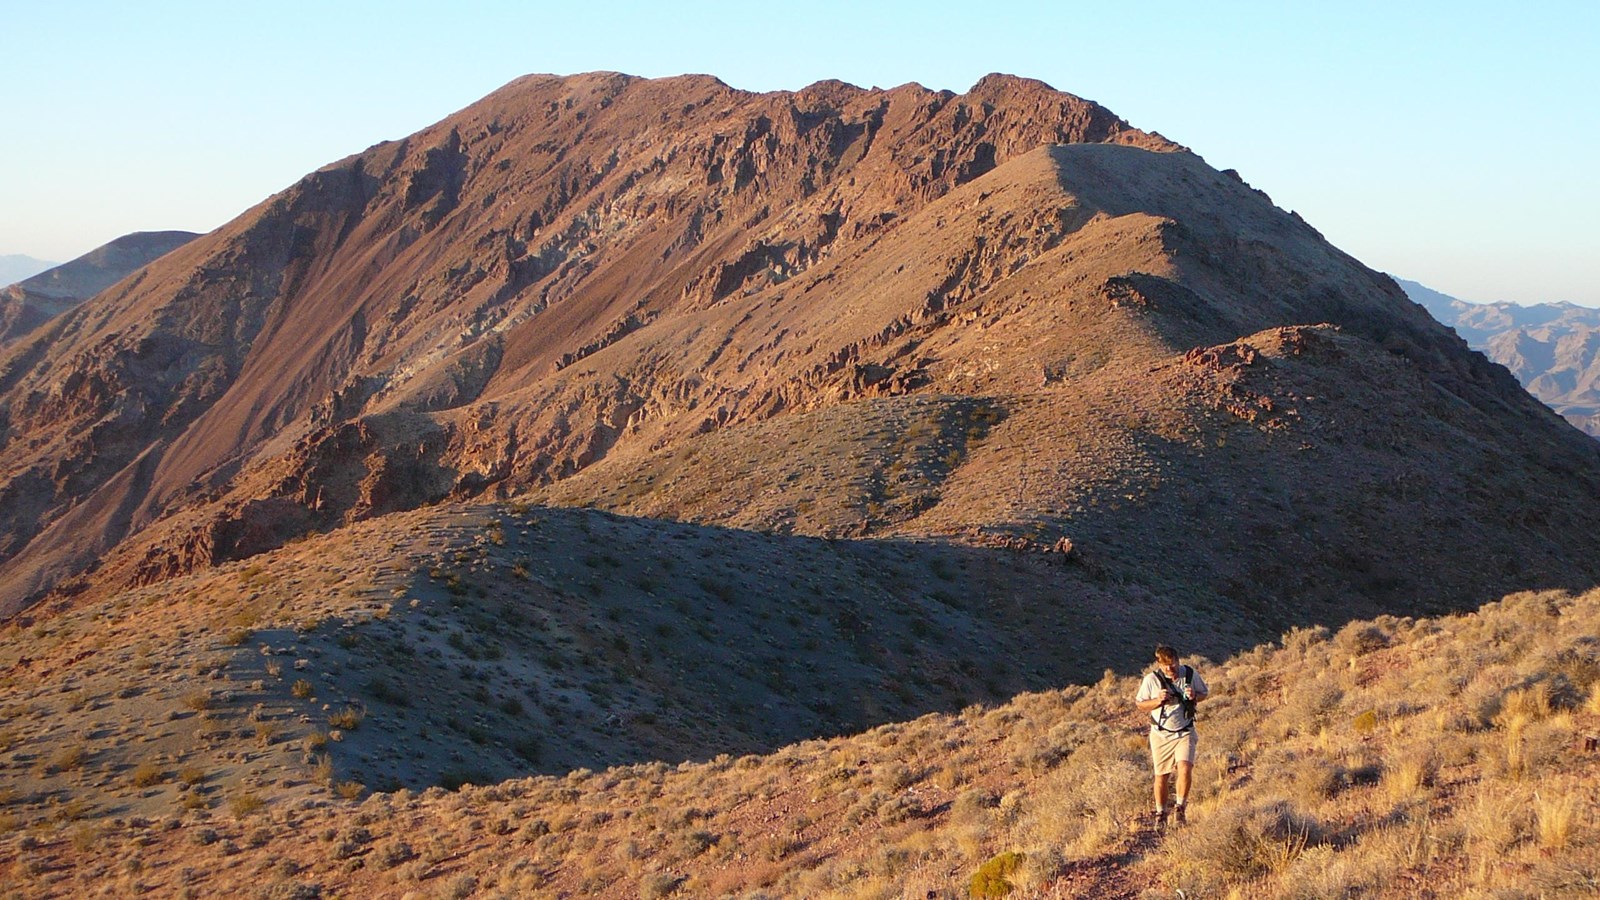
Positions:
{"x": 993, "y": 878}
{"x": 529, "y": 748}
{"x": 302, "y": 689}
{"x": 973, "y": 807}
{"x": 68, "y": 759}
{"x": 899, "y": 777}
{"x": 1410, "y": 773}
{"x": 898, "y": 809}
{"x": 384, "y": 692}
{"x": 1366, "y": 723}
{"x": 1359, "y": 638}
{"x": 393, "y": 853}
{"x": 1319, "y": 873}
{"x": 86, "y": 838}
{"x": 1564, "y": 876}
{"x": 349, "y": 718}
{"x": 349, "y": 790}
{"x": 1247, "y": 841}
{"x": 293, "y": 890}
{"x": 1299, "y": 640}
{"x": 148, "y": 773}
{"x": 658, "y": 884}
{"x": 1040, "y": 868}
{"x": 1498, "y": 819}
{"x": 1530, "y": 703}
{"x": 866, "y": 808}
{"x": 1554, "y": 816}
{"x": 1578, "y": 664}
{"x": 1316, "y": 779}
{"x": 246, "y": 803}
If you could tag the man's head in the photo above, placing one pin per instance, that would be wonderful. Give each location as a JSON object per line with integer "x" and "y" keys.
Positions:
{"x": 1166, "y": 656}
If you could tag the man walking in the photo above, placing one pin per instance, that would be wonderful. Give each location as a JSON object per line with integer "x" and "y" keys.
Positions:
{"x": 1169, "y": 694}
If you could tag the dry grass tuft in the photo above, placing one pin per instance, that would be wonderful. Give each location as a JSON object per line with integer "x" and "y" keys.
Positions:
{"x": 1555, "y": 816}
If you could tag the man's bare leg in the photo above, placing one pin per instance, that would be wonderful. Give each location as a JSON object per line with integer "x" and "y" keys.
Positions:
{"x": 1161, "y": 790}
{"x": 1185, "y": 775}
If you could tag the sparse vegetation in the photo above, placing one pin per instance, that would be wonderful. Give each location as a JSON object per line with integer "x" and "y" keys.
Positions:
{"x": 349, "y": 718}
{"x": 1347, "y": 785}
{"x": 245, "y": 803}
{"x": 1353, "y": 761}
{"x": 147, "y": 774}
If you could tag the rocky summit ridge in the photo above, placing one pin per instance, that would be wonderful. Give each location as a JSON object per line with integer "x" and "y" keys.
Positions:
{"x": 1001, "y": 319}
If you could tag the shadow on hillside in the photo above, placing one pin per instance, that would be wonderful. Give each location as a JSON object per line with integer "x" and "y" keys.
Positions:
{"x": 574, "y": 638}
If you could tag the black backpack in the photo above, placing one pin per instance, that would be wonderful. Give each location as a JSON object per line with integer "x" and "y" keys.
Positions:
{"x": 1186, "y": 675}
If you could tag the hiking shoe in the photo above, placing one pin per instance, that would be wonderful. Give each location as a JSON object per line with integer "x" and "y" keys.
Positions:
{"x": 1161, "y": 819}
{"x": 1178, "y": 817}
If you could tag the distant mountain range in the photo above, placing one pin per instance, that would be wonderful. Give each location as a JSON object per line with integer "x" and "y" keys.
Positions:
{"x": 1552, "y": 348}
{"x": 14, "y": 267}
{"x": 42, "y": 295}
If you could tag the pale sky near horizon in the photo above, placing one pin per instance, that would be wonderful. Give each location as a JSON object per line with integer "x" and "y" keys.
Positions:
{"x": 1450, "y": 143}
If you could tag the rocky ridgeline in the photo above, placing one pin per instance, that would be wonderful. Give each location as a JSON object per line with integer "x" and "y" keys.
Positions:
{"x": 576, "y": 271}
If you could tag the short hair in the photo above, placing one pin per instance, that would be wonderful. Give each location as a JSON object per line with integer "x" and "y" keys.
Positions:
{"x": 1166, "y": 654}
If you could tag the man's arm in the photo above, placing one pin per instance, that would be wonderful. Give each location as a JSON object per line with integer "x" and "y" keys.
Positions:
{"x": 1150, "y": 704}
{"x": 1154, "y": 703}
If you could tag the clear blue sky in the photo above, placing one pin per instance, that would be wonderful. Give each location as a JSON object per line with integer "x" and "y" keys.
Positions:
{"x": 1452, "y": 143}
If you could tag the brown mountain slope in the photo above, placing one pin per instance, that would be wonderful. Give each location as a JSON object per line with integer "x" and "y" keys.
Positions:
{"x": 604, "y": 266}
{"x": 489, "y": 641}
{"x": 506, "y": 240}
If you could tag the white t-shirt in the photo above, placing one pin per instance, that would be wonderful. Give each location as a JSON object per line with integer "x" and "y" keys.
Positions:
{"x": 1169, "y": 717}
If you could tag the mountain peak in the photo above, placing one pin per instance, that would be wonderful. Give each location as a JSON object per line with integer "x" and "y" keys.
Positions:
{"x": 999, "y": 82}
{"x": 880, "y": 312}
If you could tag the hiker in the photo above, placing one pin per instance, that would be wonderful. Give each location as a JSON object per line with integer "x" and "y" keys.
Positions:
{"x": 1169, "y": 694}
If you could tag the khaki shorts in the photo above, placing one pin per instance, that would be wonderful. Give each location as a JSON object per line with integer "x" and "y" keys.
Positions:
{"x": 1167, "y": 750}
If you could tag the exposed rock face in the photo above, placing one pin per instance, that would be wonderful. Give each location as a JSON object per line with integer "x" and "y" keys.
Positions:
{"x": 1552, "y": 348}
{"x": 27, "y": 304}
{"x": 984, "y": 303}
